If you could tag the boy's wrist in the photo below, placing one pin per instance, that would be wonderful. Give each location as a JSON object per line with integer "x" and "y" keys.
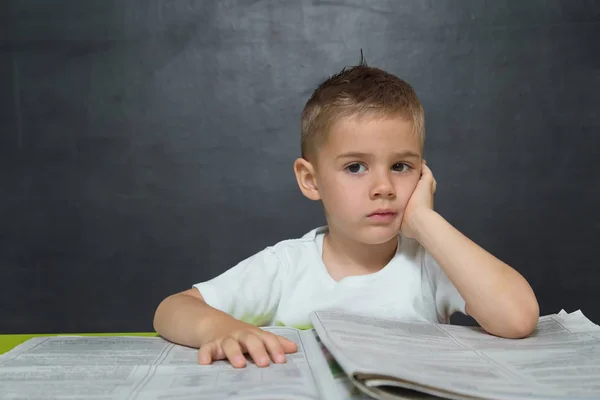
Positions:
{"x": 220, "y": 325}
{"x": 422, "y": 221}
{"x": 213, "y": 325}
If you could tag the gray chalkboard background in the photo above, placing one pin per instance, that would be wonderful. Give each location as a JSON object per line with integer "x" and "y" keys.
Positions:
{"x": 148, "y": 145}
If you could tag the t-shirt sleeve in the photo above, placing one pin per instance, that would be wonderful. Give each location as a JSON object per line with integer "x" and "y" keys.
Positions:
{"x": 250, "y": 291}
{"x": 448, "y": 299}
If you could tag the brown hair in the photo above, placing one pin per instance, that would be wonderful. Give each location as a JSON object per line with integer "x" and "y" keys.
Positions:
{"x": 357, "y": 91}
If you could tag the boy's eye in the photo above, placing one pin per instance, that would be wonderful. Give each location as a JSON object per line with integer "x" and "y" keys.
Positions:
{"x": 355, "y": 168}
{"x": 400, "y": 167}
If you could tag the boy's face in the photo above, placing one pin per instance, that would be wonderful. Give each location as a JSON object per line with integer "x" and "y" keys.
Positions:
{"x": 365, "y": 173}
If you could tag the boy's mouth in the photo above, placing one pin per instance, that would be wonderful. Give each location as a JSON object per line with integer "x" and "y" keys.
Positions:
{"x": 383, "y": 215}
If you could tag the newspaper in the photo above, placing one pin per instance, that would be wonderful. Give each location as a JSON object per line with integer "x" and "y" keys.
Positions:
{"x": 149, "y": 368}
{"x": 560, "y": 360}
{"x": 350, "y": 358}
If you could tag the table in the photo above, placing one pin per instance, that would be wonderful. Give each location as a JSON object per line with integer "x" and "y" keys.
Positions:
{"x": 8, "y": 342}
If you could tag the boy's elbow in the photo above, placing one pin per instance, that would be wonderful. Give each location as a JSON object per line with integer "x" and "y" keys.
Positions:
{"x": 163, "y": 312}
{"x": 524, "y": 321}
{"x": 522, "y": 313}
{"x": 514, "y": 321}
{"x": 158, "y": 317}
{"x": 175, "y": 309}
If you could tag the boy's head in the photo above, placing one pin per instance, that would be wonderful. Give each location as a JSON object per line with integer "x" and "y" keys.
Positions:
{"x": 357, "y": 91}
{"x": 362, "y": 144}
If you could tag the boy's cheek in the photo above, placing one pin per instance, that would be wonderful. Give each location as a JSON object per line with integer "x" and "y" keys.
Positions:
{"x": 410, "y": 190}
{"x": 404, "y": 199}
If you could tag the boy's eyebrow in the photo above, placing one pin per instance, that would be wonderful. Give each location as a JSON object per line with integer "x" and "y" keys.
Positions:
{"x": 357, "y": 154}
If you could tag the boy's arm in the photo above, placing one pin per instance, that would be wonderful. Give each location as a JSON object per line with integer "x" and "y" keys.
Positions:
{"x": 496, "y": 295}
{"x": 185, "y": 318}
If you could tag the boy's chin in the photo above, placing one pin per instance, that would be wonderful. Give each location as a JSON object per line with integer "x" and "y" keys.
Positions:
{"x": 374, "y": 235}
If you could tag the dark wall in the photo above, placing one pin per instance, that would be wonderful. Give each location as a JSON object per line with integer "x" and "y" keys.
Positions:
{"x": 145, "y": 147}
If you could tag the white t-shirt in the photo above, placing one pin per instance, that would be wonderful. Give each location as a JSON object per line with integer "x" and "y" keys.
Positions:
{"x": 284, "y": 283}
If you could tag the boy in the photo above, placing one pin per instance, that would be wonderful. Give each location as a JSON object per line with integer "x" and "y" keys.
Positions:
{"x": 384, "y": 252}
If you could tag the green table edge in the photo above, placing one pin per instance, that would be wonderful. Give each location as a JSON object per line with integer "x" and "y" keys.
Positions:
{"x": 9, "y": 342}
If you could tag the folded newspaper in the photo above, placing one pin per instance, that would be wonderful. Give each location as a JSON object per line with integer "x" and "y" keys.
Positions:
{"x": 343, "y": 357}
{"x": 560, "y": 360}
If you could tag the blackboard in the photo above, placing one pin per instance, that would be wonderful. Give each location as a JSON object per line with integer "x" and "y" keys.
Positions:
{"x": 147, "y": 146}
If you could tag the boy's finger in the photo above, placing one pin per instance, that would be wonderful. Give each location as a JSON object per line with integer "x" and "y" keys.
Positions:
{"x": 233, "y": 351}
{"x": 274, "y": 347}
{"x": 427, "y": 170}
{"x": 205, "y": 353}
{"x": 256, "y": 349}
{"x": 288, "y": 345}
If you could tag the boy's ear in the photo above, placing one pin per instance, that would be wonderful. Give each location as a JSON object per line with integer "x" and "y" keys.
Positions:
{"x": 305, "y": 175}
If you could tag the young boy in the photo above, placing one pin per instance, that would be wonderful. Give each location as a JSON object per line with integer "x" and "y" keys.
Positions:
{"x": 384, "y": 252}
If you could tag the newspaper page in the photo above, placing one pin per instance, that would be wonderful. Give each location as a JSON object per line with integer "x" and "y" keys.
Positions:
{"x": 148, "y": 368}
{"x": 561, "y": 359}
{"x": 341, "y": 385}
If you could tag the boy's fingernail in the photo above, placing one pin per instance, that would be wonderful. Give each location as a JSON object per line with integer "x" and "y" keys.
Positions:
{"x": 280, "y": 358}
{"x": 264, "y": 361}
{"x": 239, "y": 360}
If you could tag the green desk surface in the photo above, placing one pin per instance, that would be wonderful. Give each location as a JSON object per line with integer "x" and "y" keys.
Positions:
{"x": 8, "y": 342}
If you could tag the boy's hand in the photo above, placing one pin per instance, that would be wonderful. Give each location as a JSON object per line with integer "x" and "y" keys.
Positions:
{"x": 420, "y": 200}
{"x": 237, "y": 338}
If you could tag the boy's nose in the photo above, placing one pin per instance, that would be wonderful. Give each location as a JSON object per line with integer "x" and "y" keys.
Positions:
{"x": 383, "y": 187}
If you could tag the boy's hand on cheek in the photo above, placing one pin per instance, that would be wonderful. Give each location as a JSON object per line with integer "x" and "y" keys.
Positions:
{"x": 236, "y": 338}
{"x": 420, "y": 201}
